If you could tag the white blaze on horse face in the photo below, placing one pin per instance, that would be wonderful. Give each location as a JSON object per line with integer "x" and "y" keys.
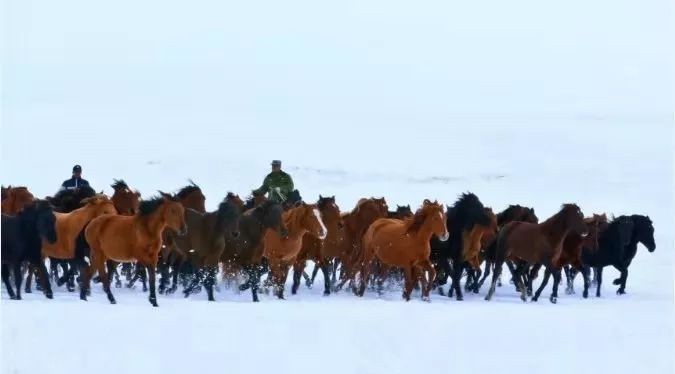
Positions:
{"x": 324, "y": 231}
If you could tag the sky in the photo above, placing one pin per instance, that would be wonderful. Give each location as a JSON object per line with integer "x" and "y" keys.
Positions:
{"x": 130, "y": 82}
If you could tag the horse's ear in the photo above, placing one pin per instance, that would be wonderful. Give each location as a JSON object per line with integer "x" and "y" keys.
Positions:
{"x": 332, "y": 197}
{"x": 165, "y": 195}
{"x": 86, "y": 200}
{"x": 320, "y": 197}
{"x": 426, "y": 202}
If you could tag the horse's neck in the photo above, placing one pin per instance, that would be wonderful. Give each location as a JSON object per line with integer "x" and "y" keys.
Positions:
{"x": 82, "y": 215}
{"x": 556, "y": 233}
{"x": 292, "y": 221}
{"x": 154, "y": 223}
{"x": 425, "y": 232}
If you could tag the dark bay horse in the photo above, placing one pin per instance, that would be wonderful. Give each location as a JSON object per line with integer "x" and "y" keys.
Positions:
{"x": 530, "y": 244}
{"x": 22, "y": 238}
{"x": 617, "y": 247}
{"x": 245, "y": 252}
{"x": 467, "y": 221}
{"x": 401, "y": 212}
{"x": 205, "y": 242}
{"x": 14, "y": 199}
{"x": 404, "y": 244}
{"x": 132, "y": 238}
{"x": 281, "y": 251}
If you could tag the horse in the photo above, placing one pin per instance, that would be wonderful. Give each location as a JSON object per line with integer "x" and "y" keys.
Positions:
{"x": 65, "y": 201}
{"x": 281, "y": 251}
{"x": 322, "y": 252}
{"x": 541, "y": 243}
{"x": 191, "y": 196}
{"x": 356, "y": 223}
{"x": 617, "y": 247}
{"x": 512, "y": 213}
{"x": 126, "y": 203}
{"x": 401, "y": 212}
{"x": 132, "y": 238}
{"x": 234, "y": 199}
{"x": 405, "y": 244}
{"x": 14, "y": 199}
{"x": 68, "y": 227}
{"x": 22, "y": 237}
{"x": 467, "y": 221}
{"x": 245, "y": 251}
{"x": 571, "y": 252}
{"x": 205, "y": 241}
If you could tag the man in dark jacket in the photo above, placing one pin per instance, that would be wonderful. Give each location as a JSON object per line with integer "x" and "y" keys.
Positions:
{"x": 278, "y": 185}
{"x": 75, "y": 181}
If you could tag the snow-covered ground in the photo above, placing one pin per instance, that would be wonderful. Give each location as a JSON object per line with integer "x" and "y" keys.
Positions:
{"x": 520, "y": 102}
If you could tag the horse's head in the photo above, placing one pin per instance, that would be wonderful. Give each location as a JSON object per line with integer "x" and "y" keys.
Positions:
{"x": 99, "y": 204}
{"x": 310, "y": 219}
{"x": 382, "y": 206}
{"x": 433, "y": 213}
{"x": 16, "y": 198}
{"x": 228, "y": 218}
{"x": 126, "y": 201}
{"x": 330, "y": 212}
{"x": 270, "y": 214}
{"x": 191, "y": 196}
{"x": 643, "y": 231}
{"x": 235, "y": 200}
{"x": 173, "y": 213}
{"x": 45, "y": 220}
{"x": 573, "y": 219}
{"x": 403, "y": 211}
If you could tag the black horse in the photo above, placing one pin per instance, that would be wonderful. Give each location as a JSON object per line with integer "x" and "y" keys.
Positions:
{"x": 461, "y": 217}
{"x": 245, "y": 251}
{"x": 617, "y": 247}
{"x": 22, "y": 237}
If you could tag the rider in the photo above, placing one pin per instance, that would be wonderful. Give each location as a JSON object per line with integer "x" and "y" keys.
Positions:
{"x": 278, "y": 185}
{"x": 75, "y": 181}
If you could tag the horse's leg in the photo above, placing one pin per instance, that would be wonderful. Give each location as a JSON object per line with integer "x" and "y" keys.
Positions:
{"x": 326, "y": 267}
{"x": 112, "y": 269}
{"x": 308, "y": 280}
{"x": 622, "y": 280}
{"x": 409, "y": 282}
{"x": 18, "y": 278}
{"x": 143, "y": 275}
{"x": 253, "y": 280}
{"x": 556, "y": 283}
{"x": 429, "y": 268}
{"x": 513, "y": 271}
{"x": 595, "y": 276}
{"x": 458, "y": 269}
{"x": 151, "y": 277}
{"x": 486, "y": 273}
{"x": 5, "y": 280}
{"x": 544, "y": 282}
{"x": 497, "y": 271}
{"x": 598, "y": 273}
{"x": 99, "y": 262}
{"x": 177, "y": 268}
{"x": 29, "y": 279}
{"x": 43, "y": 277}
{"x": 569, "y": 287}
{"x": 315, "y": 271}
{"x": 585, "y": 272}
{"x": 298, "y": 270}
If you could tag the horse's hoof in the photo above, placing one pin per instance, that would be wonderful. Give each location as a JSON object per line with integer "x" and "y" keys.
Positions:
{"x": 294, "y": 292}
{"x": 49, "y": 295}
{"x": 211, "y": 298}
{"x": 460, "y": 298}
{"x": 426, "y": 298}
{"x": 118, "y": 284}
{"x": 28, "y": 290}
{"x": 326, "y": 293}
{"x": 440, "y": 291}
{"x": 617, "y": 281}
{"x": 13, "y": 297}
{"x": 83, "y": 298}
{"x": 255, "y": 299}
{"x": 620, "y": 292}
{"x": 568, "y": 291}
{"x": 553, "y": 299}
{"x": 524, "y": 298}
{"x": 153, "y": 302}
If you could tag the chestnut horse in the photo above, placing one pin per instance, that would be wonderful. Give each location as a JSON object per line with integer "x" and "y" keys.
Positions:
{"x": 191, "y": 196}
{"x": 541, "y": 243}
{"x": 322, "y": 252}
{"x": 356, "y": 223}
{"x": 126, "y": 203}
{"x": 281, "y": 252}
{"x": 14, "y": 199}
{"x": 571, "y": 252}
{"x": 132, "y": 238}
{"x": 405, "y": 244}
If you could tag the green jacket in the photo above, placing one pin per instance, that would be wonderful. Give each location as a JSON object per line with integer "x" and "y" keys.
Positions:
{"x": 273, "y": 180}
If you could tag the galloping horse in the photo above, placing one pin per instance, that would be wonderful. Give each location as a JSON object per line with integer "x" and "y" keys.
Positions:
{"x": 541, "y": 243}
{"x": 68, "y": 228}
{"x": 245, "y": 251}
{"x": 126, "y": 203}
{"x": 571, "y": 252}
{"x": 14, "y": 199}
{"x": 281, "y": 251}
{"x": 191, "y": 196}
{"x": 22, "y": 237}
{"x": 401, "y": 212}
{"x": 205, "y": 242}
{"x": 467, "y": 221}
{"x": 356, "y": 223}
{"x": 405, "y": 244}
{"x": 322, "y": 252}
{"x": 129, "y": 238}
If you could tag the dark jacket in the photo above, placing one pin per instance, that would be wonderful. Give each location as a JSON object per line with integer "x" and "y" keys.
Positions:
{"x": 273, "y": 181}
{"x": 73, "y": 183}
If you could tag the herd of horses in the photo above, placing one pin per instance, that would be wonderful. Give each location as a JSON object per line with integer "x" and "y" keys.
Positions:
{"x": 83, "y": 234}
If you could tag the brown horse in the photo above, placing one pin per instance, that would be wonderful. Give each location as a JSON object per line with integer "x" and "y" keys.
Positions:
{"x": 405, "y": 244}
{"x": 234, "y": 199}
{"x": 191, "y": 197}
{"x": 571, "y": 252}
{"x": 281, "y": 252}
{"x": 531, "y": 244}
{"x": 356, "y": 223}
{"x": 322, "y": 252}
{"x": 132, "y": 238}
{"x": 14, "y": 199}
{"x": 401, "y": 212}
{"x": 205, "y": 242}
{"x": 126, "y": 201}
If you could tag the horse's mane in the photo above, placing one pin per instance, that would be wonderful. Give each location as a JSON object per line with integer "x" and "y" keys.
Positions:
{"x": 467, "y": 212}
{"x": 559, "y": 215}
{"x": 120, "y": 184}
{"x": 226, "y": 210}
{"x": 416, "y": 221}
{"x": 149, "y": 206}
{"x": 510, "y": 214}
{"x": 185, "y": 191}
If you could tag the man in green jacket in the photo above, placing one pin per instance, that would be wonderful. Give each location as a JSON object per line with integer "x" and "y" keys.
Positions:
{"x": 277, "y": 184}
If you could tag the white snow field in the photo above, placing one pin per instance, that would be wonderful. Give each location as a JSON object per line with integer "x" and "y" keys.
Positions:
{"x": 521, "y": 102}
